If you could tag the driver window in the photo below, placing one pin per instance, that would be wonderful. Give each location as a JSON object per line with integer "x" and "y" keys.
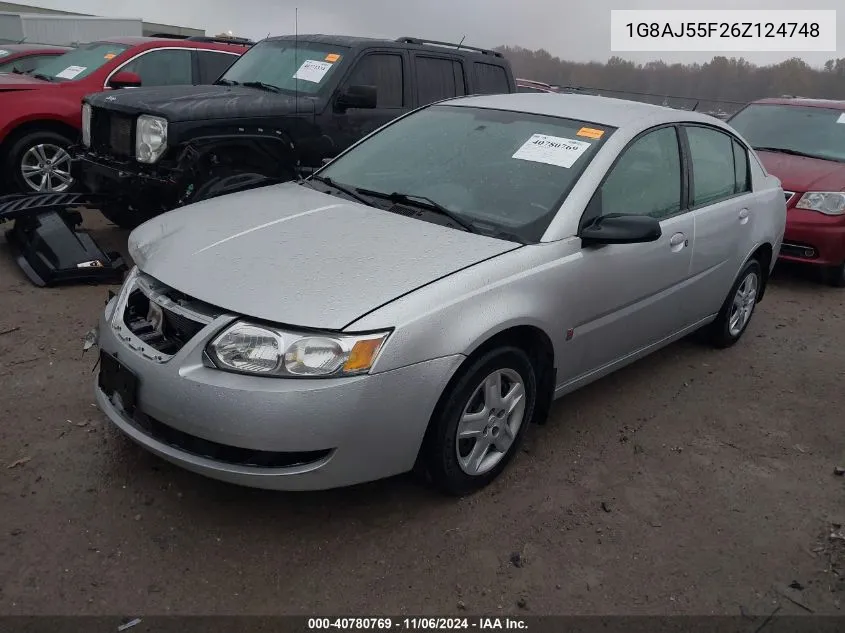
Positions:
{"x": 647, "y": 178}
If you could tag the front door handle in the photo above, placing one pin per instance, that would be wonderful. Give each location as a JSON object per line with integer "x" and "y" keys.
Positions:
{"x": 678, "y": 241}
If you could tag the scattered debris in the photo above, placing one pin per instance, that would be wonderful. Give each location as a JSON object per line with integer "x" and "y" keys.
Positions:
{"x": 9, "y": 331}
{"x": 89, "y": 340}
{"x": 81, "y": 424}
{"x": 24, "y": 361}
{"x": 790, "y": 595}
{"x": 19, "y": 462}
{"x": 796, "y": 585}
{"x": 16, "y": 532}
{"x": 517, "y": 560}
{"x": 461, "y": 605}
{"x": 605, "y": 507}
{"x": 522, "y": 603}
{"x": 839, "y": 471}
{"x": 129, "y": 624}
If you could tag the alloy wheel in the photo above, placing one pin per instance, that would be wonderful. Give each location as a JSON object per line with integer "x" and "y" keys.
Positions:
{"x": 46, "y": 168}
{"x": 743, "y": 304}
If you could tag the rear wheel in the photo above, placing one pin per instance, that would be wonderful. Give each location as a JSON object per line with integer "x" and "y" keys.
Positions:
{"x": 39, "y": 161}
{"x": 738, "y": 308}
{"x": 481, "y": 421}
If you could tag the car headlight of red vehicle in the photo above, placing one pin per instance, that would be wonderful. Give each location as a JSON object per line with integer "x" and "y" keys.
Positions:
{"x": 827, "y": 202}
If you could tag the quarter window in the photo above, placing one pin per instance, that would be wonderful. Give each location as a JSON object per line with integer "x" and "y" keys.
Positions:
{"x": 646, "y": 180}
{"x": 743, "y": 182}
{"x": 715, "y": 174}
{"x": 490, "y": 79}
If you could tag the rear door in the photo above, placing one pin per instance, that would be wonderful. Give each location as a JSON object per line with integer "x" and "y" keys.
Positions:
{"x": 722, "y": 209}
{"x": 437, "y": 77}
{"x": 635, "y": 294}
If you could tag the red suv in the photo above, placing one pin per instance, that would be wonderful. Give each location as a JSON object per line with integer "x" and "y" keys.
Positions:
{"x": 41, "y": 112}
{"x": 802, "y": 142}
{"x": 25, "y": 57}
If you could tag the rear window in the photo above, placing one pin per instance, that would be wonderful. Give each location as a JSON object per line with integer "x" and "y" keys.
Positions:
{"x": 80, "y": 62}
{"x": 490, "y": 79}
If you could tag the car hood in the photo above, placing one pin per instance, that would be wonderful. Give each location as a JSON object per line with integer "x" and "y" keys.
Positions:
{"x": 798, "y": 173}
{"x": 295, "y": 256}
{"x": 201, "y": 103}
{"x": 14, "y": 81}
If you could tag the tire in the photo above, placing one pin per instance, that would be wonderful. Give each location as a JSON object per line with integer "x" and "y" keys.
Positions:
{"x": 739, "y": 304}
{"x": 459, "y": 467}
{"x": 835, "y": 276}
{"x": 44, "y": 149}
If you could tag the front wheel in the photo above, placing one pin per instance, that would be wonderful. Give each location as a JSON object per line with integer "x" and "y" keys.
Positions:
{"x": 738, "y": 308}
{"x": 480, "y": 422}
{"x": 40, "y": 162}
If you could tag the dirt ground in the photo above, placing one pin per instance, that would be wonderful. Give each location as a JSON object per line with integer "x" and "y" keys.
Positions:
{"x": 694, "y": 482}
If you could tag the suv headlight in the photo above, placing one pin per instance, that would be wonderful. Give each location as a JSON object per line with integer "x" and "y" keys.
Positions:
{"x": 827, "y": 202}
{"x": 150, "y": 138}
{"x": 86, "y": 125}
{"x": 262, "y": 350}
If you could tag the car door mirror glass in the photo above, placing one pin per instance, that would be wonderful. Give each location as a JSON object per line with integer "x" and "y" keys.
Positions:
{"x": 358, "y": 97}
{"x": 620, "y": 228}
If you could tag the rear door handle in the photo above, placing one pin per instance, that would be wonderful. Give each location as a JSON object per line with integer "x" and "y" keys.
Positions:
{"x": 678, "y": 241}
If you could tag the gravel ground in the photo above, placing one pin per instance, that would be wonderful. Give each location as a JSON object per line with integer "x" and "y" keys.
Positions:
{"x": 692, "y": 482}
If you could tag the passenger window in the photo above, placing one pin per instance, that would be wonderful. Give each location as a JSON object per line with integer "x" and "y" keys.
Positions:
{"x": 213, "y": 65}
{"x": 743, "y": 179}
{"x": 163, "y": 67}
{"x": 647, "y": 178}
{"x": 385, "y": 72}
{"x": 438, "y": 79}
{"x": 490, "y": 79}
{"x": 713, "y": 170}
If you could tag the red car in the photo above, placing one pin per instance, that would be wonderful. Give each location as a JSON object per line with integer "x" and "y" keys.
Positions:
{"x": 25, "y": 57}
{"x": 802, "y": 142}
{"x": 41, "y": 112}
{"x": 529, "y": 85}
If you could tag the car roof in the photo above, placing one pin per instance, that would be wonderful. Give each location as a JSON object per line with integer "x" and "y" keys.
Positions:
{"x": 802, "y": 101}
{"x": 137, "y": 40}
{"x": 353, "y": 41}
{"x": 25, "y": 48}
{"x": 618, "y": 113}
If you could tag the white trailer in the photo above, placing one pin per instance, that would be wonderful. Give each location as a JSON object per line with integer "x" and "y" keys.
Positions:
{"x": 64, "y": 30}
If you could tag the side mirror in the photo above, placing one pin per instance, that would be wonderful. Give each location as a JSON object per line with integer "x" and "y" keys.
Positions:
{"x": 358, "y": 97}
{"x": 618, "y": 228}
{"x": 125, "y": 79}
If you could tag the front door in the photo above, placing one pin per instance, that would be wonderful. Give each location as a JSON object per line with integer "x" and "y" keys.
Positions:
{"x": 635, "y": 295}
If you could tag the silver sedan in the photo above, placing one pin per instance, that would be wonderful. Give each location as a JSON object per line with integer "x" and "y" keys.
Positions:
{"x": 424, "y": 297}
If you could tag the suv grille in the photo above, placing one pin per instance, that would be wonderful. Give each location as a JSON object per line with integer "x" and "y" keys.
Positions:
{"x": 112, "y": 133}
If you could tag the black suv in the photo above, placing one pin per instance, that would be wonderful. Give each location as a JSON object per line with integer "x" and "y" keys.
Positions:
{"x": 278, "y": 113}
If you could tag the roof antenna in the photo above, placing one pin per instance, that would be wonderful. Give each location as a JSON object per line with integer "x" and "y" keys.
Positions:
{"x": 295, "y": 58}
{"x": 461, "y": 42}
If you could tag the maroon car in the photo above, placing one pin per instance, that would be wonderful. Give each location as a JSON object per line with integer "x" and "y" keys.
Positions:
{"x": 25, "y": 57}
{"x": 529, "y": 85}
{"x": 802, "y": 142}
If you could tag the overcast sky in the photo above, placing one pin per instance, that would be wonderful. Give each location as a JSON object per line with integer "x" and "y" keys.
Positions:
{"x": 575, "y": 29}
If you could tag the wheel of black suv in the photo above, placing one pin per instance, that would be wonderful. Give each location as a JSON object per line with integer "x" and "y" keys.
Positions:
{"x": 480, "y": 421}
{"x": 835, "y": 276}
{"x": 39, "y": 161}
{"x": 738, "y": 308}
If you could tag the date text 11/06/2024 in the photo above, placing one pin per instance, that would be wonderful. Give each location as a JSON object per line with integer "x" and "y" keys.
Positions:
{"x": 416, "y": 624}
{"x": 723, "y": 29}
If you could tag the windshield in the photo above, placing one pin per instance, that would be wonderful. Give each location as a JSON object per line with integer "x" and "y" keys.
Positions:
{"x": 282, "y": 65}
{"x": 816, "y": 132}
{"x": 507, "y": 169}
{"x": 80, "y": 62}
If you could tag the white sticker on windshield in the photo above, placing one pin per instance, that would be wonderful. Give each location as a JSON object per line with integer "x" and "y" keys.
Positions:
{"x": 841, "y": 118}
{"x": 3, "y": 53}
{"x": 71, "y": 71}
{"x": 552, "y": 150}
{"x": 312, "y": 71}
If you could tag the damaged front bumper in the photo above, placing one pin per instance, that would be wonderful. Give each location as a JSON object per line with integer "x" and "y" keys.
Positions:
{"x": 47, "y": 245}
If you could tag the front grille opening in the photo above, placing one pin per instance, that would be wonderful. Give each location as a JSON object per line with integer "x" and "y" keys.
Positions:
{"x": 112, "y": 132}
{"x": 223, "y": 452}
{"x": 162, "y": 329}
{"x": 803, "y": 251}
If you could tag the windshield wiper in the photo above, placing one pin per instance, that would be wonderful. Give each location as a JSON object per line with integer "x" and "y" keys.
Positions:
{"x": 262, "y": 85}
{"x": 352, "y": 193}
{"x": 226, "y": 82}
{"x": 420, "y": 201}
{"x": 42, "y": 76}
{"x": 783, "y": 150}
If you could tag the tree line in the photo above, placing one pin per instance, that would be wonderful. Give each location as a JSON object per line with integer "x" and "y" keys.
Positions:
{"x": 721, "y": 84}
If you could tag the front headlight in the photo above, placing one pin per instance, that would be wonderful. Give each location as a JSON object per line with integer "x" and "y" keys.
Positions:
{"x": 827, "y": 202}
{"x": 267, "y": 351}
{"x": 150, "y": 138}
{"x": 86, "y": 125}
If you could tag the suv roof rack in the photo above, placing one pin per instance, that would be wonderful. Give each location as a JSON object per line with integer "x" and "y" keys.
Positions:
{"x": 220, "y": 40}
{"x": 422, "y": 42}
